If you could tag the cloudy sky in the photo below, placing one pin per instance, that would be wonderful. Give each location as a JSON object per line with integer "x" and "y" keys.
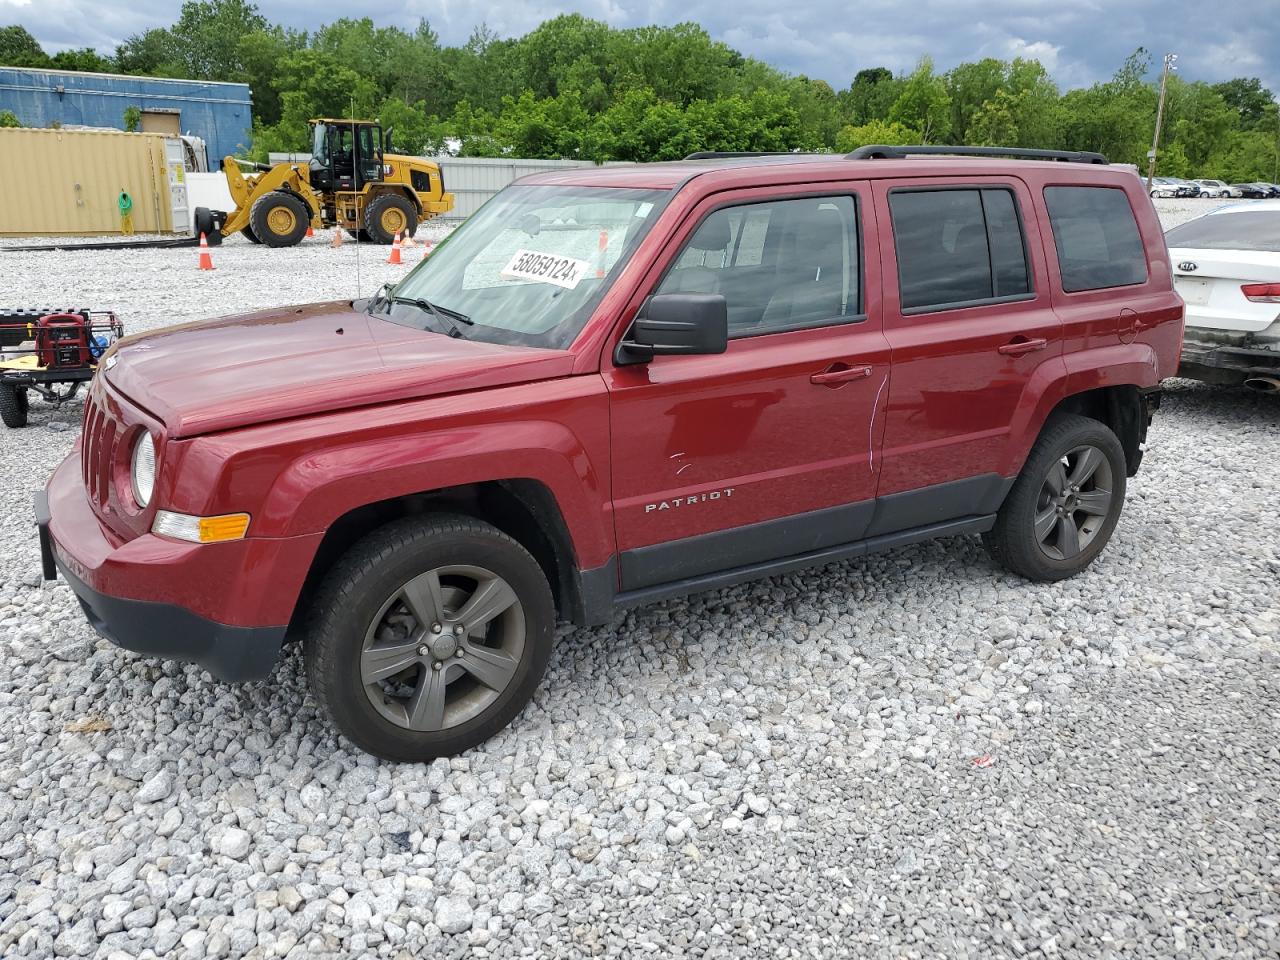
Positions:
{"x": 1078, "y": 42}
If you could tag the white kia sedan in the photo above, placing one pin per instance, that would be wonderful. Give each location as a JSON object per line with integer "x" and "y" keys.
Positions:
{"x": 1226, "y": 266}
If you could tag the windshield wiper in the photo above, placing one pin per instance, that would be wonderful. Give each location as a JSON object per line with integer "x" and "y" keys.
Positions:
{"x": 449, "y": 318}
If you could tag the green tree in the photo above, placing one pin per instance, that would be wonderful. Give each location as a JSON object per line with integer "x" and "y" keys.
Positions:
{"x": 132, "y": 118}
{"x": 208, "y": 36}
{"x": 924, "y": 104}
{"x": 204, "y": 43}
{"x": 18, "y": 48}
{"x": 995, "y": 123}
{"x": 153, "y": 53}
{"x": 1115, "y": 118}
{"x": 970, "y": 86}
{"x": 260, "y": 54}
{"x": 410, "y": 127}
{"x": 9, "y": 119}
{"x": 1248, "y": 97}
{"x": 871, "y": 95}
{"x": 86, "y": 60}
{"x": 875, "y": 132}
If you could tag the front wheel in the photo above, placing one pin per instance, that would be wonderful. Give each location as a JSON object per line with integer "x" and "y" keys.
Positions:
{"x": 429, "y": 637}
{"x": 279, "y": 219}
{"x": 1065, "y": 503}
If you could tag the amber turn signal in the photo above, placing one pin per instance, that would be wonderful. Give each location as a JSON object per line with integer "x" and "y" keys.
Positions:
{"x": 180, "y": 526}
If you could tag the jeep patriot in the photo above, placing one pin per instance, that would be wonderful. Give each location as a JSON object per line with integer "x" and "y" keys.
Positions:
{"x": 616, "y": 385}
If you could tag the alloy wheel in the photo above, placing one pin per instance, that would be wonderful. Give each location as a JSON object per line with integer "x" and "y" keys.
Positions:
{"x": 443, "y": 648}
{"x": 1074, "y": 502}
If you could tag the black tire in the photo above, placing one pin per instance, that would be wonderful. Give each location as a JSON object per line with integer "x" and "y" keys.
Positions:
{"x": 387, "y": 214}
{"x": 366, "y": 594}
{"x": 249, "y": 235}
{"x": 1030, "y": 536}
{"x": 203, "y": 220}
{"x": 361, "y": 235}
{"x": 279, "y": 219}
{"x": 13, "y": 405}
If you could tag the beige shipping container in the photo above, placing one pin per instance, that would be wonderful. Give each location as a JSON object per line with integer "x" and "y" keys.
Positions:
{"x": 67, "y": 182}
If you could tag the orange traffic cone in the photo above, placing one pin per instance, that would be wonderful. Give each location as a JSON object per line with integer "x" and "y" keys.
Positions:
{"x": 426, "y": 248}
{"x": 206, "y": 260}
{"x": 337, "y": 238}
{"x": 310, "y": 232}
{"x": 395, "y": 250}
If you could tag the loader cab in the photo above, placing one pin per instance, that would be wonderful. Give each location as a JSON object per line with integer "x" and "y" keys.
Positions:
{"x": 345, "y": 154}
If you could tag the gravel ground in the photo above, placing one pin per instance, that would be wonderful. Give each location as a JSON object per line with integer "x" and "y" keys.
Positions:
{"x": 1174, "y": 212}
{"x": 779, "y": 769}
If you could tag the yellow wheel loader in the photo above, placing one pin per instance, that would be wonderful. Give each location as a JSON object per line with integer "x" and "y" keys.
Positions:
{"x": 352, "y": 181}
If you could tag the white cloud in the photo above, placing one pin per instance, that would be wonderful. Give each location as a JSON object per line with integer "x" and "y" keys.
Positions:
{"x": 1078, "y": 43}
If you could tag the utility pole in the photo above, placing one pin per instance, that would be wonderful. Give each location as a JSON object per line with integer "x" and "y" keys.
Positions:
{"x": 1169, "y": 60}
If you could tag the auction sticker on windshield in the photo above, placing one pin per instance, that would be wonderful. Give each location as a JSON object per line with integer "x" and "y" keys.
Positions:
{"x": 545, "y": 268}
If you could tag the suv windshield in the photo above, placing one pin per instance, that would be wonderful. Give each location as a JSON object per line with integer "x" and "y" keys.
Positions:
{"x": 1238, "y": 230}
{"x": 531, "y": 264}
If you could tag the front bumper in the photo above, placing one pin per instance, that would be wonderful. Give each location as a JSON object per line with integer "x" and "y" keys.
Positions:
{"x": 1213, "y": 361}
{"x": 158, "y": 628}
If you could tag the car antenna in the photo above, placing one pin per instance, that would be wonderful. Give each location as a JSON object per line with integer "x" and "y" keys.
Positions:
{"x": 355, "y": 182}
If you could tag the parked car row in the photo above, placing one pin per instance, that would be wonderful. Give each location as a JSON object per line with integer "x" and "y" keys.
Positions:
{"x": 1212, "y": 189}
{"x": 1173, "y": 187}
{"x": 1255, "y": 191}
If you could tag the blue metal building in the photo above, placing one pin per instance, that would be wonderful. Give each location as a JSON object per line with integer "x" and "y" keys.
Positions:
{"x": 219, "y": 113}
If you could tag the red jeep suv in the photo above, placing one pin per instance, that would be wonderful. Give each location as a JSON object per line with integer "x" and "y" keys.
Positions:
{"x": 615, "y": 385}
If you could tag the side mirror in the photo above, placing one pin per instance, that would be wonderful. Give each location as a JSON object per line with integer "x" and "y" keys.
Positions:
{"x": 677, "y": 323}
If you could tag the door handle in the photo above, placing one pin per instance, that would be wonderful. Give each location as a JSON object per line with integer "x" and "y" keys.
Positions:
{"x": 837, "y": 374}
{"x": 1017, "y": 348}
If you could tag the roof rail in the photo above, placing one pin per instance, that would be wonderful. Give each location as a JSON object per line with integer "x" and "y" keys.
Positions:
{"x": 881, "y": 151}
{"x": 729, "y": 154}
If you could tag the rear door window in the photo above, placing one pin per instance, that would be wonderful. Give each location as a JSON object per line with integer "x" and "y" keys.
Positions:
{"x": 1096, "y": 237}
{"x": 958, "y": 247}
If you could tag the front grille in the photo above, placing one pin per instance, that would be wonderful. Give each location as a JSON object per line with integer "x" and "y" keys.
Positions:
{"x": 98, "y": 449}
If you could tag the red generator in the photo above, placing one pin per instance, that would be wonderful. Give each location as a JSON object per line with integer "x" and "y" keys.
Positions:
{"x": 49, "y": 352}
{"x": 62, "y": 340}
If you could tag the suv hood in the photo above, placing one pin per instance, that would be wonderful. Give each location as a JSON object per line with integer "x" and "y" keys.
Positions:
{"x": 295, "y": 361}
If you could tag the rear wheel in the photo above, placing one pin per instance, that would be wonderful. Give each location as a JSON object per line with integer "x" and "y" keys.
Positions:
{"x": 389, "y": 214}
{"x": 279, "y": 219}
{"x": 429, "y": 637}
{"x": 1065, "y": 503}
{"x": 13, "y": 405}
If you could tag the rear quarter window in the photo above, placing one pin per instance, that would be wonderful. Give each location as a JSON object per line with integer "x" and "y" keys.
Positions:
{"x": 1096, "y": 237}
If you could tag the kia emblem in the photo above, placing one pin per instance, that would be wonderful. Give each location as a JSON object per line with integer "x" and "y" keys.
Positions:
{"x": 1187, "y": 266}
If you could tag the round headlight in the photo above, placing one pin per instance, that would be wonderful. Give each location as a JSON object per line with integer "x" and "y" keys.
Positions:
{"x": 144, "y": 468}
